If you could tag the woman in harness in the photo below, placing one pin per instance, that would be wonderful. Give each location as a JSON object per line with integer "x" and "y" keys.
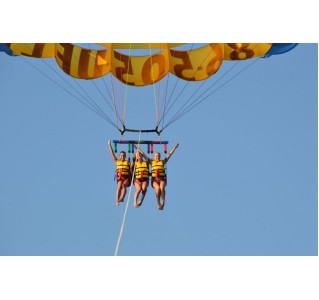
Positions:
{"x": 141, "y": 177}
{"x": 123, "y": 174}
{"x": 158, "y": 174}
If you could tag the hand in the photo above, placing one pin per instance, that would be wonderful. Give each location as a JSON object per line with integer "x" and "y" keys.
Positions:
{"x": 138, "y": 149}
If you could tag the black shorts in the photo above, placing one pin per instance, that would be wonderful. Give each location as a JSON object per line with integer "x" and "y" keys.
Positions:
{"x": 125, "y": 179}
{"x": 158, "y": 180}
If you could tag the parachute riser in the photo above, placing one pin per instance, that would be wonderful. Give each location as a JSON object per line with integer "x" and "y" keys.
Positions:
{"x": 124, "y": 129}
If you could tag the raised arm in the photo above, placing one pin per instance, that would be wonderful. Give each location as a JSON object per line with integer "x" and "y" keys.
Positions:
{"x": 170, "y": 153}
{"x": 143, "y": 154}
{"x": 112, "y": 151}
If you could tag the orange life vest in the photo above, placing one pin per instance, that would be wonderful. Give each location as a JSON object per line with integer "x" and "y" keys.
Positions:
{"x": 158, "y": 169}
{"x": 141, "y": 170}
{"x": 122, "y": 168}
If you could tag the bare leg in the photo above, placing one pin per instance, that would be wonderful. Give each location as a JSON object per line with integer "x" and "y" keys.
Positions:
{"x": 125, "y": 184}
{"x": 118, "y": 192}
{"x": 137, "y": 193}
{"x": 144, "y": 190}
{"x": 123, "y": 193}
{"x": 158, "y": 193}
{"x": 163, "y": 192}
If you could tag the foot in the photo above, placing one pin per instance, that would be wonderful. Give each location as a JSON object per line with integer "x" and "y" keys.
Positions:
{"x": 161, "y": 207}
{"x": 135, "y": 204}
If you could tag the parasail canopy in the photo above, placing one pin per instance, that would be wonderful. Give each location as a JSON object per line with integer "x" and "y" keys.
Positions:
{"x": 145, "y": 64}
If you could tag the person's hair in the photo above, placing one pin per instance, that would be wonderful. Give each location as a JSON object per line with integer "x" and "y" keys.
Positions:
{"x": 134, "y": 156}
{"x": 123, "y": 152}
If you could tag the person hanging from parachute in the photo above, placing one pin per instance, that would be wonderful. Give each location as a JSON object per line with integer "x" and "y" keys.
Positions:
{"x": 140, "y": 170}
{"x": 123, "y": 173}
{"x": 158, "y": 174}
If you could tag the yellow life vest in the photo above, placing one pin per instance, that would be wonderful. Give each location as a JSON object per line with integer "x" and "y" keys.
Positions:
{"x": 141, "y": 170}
{"x": 122, "y": 168}
{"x": 158, "y": 169}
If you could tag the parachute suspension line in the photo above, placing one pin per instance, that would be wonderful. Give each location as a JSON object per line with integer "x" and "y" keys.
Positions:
{"x": 178, "y": 96}
{"x": 194, "y": 103}
{"x": 96, "y": 87}
{"x": 154, "y": 91}
{"x": 103, "y": 96}
{"x": 173, "y": 90}
{"x": 162, "y": 100}
{"x": 126, "y": 86}
{"x": 185, "y": 86}
{"x": 94, "y": 108}
{"x": 93, "y": 103}
{"x": 167, "y": 102}
{"x": 182, "y": 111}
{"x": 85, "y": 103}
{"x": 199, "y": 101}
{"x": 170, "y": 97}
{"x": 84, "y": 94}
{"x": 226, "y": 73}
{"x": 118, "y": 98}
{"x": 162, "y": 115}
{"x": 108, "y": 102}
{"x": 127, "y": 203}
{"x": 114, "y": 105}
{"x": 159, "y": 101}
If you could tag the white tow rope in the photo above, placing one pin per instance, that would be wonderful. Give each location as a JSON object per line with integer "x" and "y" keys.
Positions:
{"x": 126, "y": 207}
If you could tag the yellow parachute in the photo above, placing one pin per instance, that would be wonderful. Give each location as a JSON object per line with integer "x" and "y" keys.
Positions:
{"x": 193, "y": 65}
{"x": 133, "y": 67}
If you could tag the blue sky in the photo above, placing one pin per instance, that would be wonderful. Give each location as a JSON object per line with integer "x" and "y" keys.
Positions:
{"x": 256, "y": 196}
{"x": 242, "y": 183}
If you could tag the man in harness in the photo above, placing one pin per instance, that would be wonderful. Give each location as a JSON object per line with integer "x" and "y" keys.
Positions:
{"x": 158, "y": 174}
{"x": 123, "y": 174}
